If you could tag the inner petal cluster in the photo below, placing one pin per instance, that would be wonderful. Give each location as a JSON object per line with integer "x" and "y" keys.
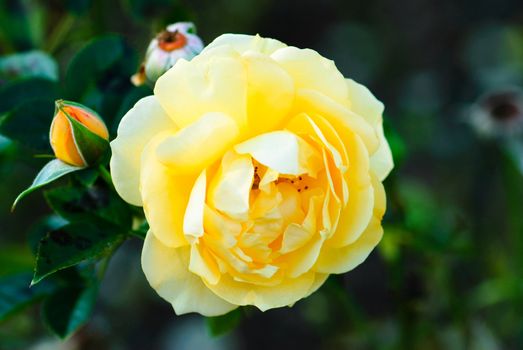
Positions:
{"x": 263, "y": 211}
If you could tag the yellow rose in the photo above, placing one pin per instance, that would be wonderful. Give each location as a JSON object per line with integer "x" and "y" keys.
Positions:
{"x": 259, "y": 168}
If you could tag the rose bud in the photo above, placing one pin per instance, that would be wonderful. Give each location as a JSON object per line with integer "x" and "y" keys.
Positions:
{"x": 78, "y": 135}
{"x": 177, "y": 41}
{"x": 498, "y": 113}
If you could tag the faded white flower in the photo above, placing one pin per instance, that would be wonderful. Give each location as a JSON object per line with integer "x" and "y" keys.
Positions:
{"x": 178, "y": 40}
{"x": 498, "y": 113}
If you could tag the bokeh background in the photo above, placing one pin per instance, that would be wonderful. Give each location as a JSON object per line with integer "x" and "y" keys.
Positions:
{"x": 449, "y": 271}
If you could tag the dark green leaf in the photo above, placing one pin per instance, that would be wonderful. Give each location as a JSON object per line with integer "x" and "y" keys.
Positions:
{"x": 22, "y": 91}
{"x": 43, "y": 227}
{"x": 86, "y": 177}
{"x": 50, "y": 172}
{"x": 73, "y": 244}
{"x": 220, "y": 325}
{"x": 68, "y": 309}
{"x": 135, "y": 94}
{"x": 78, "y": 6}
{"x": 90, "y": 63}
{"x": 15, "y": 293}
{"x": 89, "y": 204}
{"x": 29, "y": 124}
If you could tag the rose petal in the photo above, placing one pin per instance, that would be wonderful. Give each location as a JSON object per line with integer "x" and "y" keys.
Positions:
{"x": 198, "y": 145}
{"x": 310, "y": 70}
{"x": 242, "y": 43}
{"x": 137, "y": 128}
{"x": 230, "y": 188}
{"x": 284, "y": 152}
{"x": 263, "y": 297}
{"x": 191, "y": 89}
{"x": 167, "y": 271}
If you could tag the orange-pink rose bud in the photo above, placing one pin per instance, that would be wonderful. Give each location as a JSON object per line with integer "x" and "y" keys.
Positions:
{"x": 78, "y": 135}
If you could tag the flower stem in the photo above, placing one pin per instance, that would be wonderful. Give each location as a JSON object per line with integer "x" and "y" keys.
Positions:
{"x": 106, "y": 175}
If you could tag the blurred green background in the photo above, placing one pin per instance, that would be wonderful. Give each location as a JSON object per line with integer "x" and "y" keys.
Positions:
{"x": 449, "y": 271}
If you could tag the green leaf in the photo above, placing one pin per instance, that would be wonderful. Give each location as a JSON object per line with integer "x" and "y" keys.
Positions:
{"x": 50, "y": 172}
{"x": 29, "y": 123}
{"x": 221, "y": 325}
{"x": 72, "y": 244}
{"x": 133, "y": 96}
{"x": 78, "y": 7}
{"x": 68, "y": 309}
{"x": 91, "y": 62}
{"x": 90, "y": 146}
{"x": 87, "y": 177}
{"x": 22, "y": 91}
{"x": 34, "y": 64}
{"x": 41, "y": 228}
{"x": 89, "y": 204}
{"x": 15, "y": 293}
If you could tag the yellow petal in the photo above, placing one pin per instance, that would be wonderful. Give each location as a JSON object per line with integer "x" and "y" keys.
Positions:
{"x": 341, "y": 260}
{"x": 381, "y": 161}
{"x": 137, "y": 128}
{"x": 204, "y": 264}
{"x": 301, "y": 261}
{"x": 359, "y": 209}
{"x": 242, "y": 43}
{"x": 363, "y": 102}
{"x": 366, "y": 105}
{"x": 296, "y": 236}
{"x": 230, "y": 188}
{"x": 191, "y": 89}
{"x": 283, "y": 152}
{"x": 270, "y": 93}
{"x": 198, "y": 145}
{"x": 193, "y": 219}
{"x": 165, "y": 196}
{"x": 339, "y": 116}
{"x": 312, "y": 71}
{"x": 167, "y": 271}
{"x": 287, "y": 292}
{"x": 319, "y": 279}
{"x": 63, "y": 141}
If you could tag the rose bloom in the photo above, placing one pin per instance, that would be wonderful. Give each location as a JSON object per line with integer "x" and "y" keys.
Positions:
{"x": 259, "y": 168}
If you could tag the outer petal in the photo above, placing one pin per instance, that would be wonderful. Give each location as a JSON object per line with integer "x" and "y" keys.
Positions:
{"x": 287, "y": 292}
{"x": 167, "y": 270}
{"x": 196, "y": 146}
{"x": 242, "y": 43}
{"x": 359, "y": 210}
{"x": 137, "y": 128}
{"x": 341, "y": 260}
{"x": 208, "y": 83}
{"x": 312, "y": 71}
{"x": 381, "y": 161}
{"x": 339, "y": 116}
{"x": 165, "y": 196}
{"x": 366, "y": 105}
{"x": 270, "y": 92}
{"x": 319, "y": 279}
